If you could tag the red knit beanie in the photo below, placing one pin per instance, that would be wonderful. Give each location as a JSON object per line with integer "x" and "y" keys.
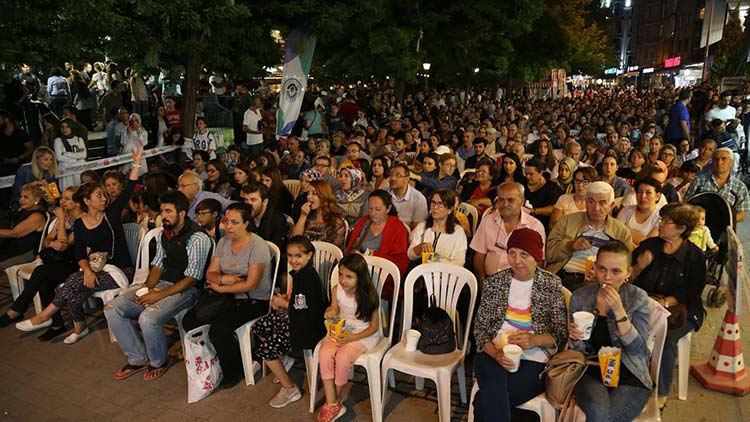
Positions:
{"x": 527, "y": 240}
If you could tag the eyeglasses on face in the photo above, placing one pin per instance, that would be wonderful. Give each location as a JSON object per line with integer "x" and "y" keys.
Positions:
{"x": 437, "y": 204}
{"x": 582, "y": 181}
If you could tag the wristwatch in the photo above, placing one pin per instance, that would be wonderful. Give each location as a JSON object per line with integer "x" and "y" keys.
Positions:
{"x": 623, "y": 319}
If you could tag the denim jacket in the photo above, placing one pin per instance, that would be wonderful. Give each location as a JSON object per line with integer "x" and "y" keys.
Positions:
{"x": 635, "y": 354}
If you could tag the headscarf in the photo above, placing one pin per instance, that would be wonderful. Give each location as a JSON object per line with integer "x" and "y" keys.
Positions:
{"x": 572, "y": 165}
{"x": 309, "y": 175}
{"x": 71, "y": 125}
{"x": 358, "y": 185}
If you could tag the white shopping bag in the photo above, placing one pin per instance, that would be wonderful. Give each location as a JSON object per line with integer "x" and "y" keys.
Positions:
{"x": 201, "y": 363}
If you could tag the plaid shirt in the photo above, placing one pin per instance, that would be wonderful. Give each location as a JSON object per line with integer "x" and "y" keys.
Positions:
{"x": 734, "y": 191}
{"x": 198, "y": 247}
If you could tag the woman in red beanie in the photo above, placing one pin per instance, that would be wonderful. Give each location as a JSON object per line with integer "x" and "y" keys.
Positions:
{"x": 522, "y": 305}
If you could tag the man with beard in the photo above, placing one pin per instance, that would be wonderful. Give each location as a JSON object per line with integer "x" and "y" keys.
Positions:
{"x": 270, "y": 224}
{"x": 182, "y": 252}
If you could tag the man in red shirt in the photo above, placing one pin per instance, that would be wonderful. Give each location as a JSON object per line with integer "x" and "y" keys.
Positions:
{"x": 172, "y": 114}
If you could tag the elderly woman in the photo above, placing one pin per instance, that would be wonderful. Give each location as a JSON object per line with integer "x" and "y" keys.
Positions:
{"x": 622, "y": 314}
{"x": 351, "y": 196}
{"x": 320, "y": 217}
{"x": 643, "y": 218}
{"x": 18, "y": 243}
{"x": 440, "y": 234}
{"x": 43, "y": 170}
{"x": 673, "y": 270}
{"x": 575, "y": 201}
{"x": 522, "y": 305}
{"x": 57, "y": 263}
{"x": 565, "y": 170}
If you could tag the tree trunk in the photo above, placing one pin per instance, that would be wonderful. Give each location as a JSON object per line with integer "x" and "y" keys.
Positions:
{"x": 192, "y": 70}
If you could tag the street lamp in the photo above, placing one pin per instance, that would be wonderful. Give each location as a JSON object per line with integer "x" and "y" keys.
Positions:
{"x": 476, "y": 70}
{"x": 426, "y": 67}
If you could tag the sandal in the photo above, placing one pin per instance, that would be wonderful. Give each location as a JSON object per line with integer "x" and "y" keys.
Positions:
{"x": 129, "y": 370}
{"x": 156, "y": 373}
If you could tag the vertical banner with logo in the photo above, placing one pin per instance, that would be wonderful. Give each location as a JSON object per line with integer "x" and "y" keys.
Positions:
{"x": 297, "y": 61}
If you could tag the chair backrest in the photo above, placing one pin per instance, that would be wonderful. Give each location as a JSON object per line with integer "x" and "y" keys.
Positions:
{"x": 48, "y": 226}
{"x": 380, "y": 270}
{"x": 292, "y": 186}
{"x": 143, "y": 260}
{"x": 275, "y": 261}
{"x": 488, "y": 211}
{"x": 471, "y": 212}
{"x": 327, "y": 256}
{"x": 133, "y": 235}
{"x": 446, "y": 282}
{"x": 657, "y": 332}
{"x": 346, "y": 237}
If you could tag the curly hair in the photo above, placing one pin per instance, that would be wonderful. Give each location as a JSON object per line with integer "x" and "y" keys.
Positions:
{"x": 328, "y": 205}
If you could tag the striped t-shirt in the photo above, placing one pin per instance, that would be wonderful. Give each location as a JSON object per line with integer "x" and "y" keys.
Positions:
{"x": 518, "y": 316}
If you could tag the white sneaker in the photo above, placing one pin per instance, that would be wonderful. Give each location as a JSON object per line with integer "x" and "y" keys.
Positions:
{"x": 26, "y": 325}
{"x": 288, "y": 363}
{"x": 75, "y": 337}
{"x": 285, "y": 396}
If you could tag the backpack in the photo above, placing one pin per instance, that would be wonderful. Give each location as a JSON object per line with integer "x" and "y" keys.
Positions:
{"x": 561, "y": 374}
{"x": 438, "y": 335}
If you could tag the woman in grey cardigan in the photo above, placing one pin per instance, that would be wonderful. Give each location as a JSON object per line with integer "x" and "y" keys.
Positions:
{"x": 522, "y": 305}
{"x": 622, "y": 316}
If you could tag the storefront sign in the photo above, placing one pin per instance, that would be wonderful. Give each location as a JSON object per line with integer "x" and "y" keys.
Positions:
{"x": 632, "y": 68}
{"x": 610, "y": 71}
{"x": 647, "y": 70}
{"x": 672, "y": 62}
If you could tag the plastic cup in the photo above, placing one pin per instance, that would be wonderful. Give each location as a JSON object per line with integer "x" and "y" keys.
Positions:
{"x": 142, "y": 291}
{"x": 412, "y": 339}
{"x": 585, "y": 322}
{"x": 514, "y": 352}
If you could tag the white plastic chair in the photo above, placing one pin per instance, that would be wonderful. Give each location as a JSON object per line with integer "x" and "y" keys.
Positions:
{"x": 18, "y": 274}
{"x": 245, "y": 331}
{"x": 380, "y": 270}
{"x": 133, "y": 235}
{"x": 683, "y": 365}
{"x": 327, "y": 256}
{"x": 446, "y": 282}
{"x": 471, "y": 212}
{"x": 292, "y": 186}
{"x": 657, "y": 333}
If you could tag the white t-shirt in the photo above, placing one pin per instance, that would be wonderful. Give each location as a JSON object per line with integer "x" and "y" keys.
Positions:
{"x": 627, "y": 216}
{"x": 204, "y": 142}
{"x": 251, "y": 119}
{"x": 518, "y": 316}
{"x": 728, "y": 113}
{"x": 567, "y": 204}
{"x": 449, "y": 248}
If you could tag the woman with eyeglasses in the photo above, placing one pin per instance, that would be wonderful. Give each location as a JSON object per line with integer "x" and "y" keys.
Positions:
{"x": 576, "y": 201}
{"x": 672, "y": 270}
{"x": 441, "y": 234}
{"x": 444, "y": 179}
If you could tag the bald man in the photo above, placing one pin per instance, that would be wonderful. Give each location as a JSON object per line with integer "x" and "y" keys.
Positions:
{"x": 191, "y": 186}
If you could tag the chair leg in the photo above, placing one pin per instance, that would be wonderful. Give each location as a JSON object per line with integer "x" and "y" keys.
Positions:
{"x": 246, "y": 351}
{"x": 419, "y": 383}
{"x": 474, "y": 391}
{"x": 312, "y": 373}
{"x": 392, "y": 379}
{"x": 16, "y": 285}
{"x": 38, "y": 308}
{"x": 461, "y": 382}
{"x": 683, "y": 366}
{"x": 374, "y": 383}
{"x": 443, "y": 384}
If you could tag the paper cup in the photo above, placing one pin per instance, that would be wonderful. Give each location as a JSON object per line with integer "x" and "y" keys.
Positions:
{"x": 514, "y": 352}
{"x": 142, "y": 291}
{"x": 412, "y": 339}
{"x": 585, "y": 322}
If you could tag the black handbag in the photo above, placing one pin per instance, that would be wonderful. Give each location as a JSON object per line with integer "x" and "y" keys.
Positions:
{"x": 210, "y": 304}
{"x": 438, "y": 334}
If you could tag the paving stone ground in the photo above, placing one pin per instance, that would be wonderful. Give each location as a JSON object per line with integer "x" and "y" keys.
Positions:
{"x": 57, "y": 382}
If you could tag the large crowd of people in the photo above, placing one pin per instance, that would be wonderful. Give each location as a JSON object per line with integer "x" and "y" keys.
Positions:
{"x": 586, "y": 193}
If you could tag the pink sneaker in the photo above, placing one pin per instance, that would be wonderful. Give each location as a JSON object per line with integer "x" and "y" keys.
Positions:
{"x": 331, "y": 413}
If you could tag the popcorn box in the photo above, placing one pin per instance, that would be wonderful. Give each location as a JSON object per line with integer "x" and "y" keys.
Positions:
{"x": 609, "y": 364}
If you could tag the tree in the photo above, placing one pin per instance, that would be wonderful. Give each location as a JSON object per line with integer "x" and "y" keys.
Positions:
{"x": 729, "y": 59}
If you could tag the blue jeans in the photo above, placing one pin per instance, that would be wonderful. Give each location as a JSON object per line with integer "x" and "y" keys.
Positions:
{"x": 669, "y": 356}
{"x": 621, "y": 404}
{"x": 500, "y": 390}
{"x": 152, "y": 347}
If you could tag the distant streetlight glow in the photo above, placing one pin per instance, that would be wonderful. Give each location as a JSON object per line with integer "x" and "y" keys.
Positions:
{"x": 476, "y": 70}
{"x": 426, "y": 66}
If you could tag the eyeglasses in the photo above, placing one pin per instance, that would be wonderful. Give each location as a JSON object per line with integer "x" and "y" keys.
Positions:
{"x": 665, "y": 221}
{"x": 582, "y": 181}
{"x": 353, "y": 151}
{"x": 322, "y": 165}
{"x": 398, "y": 176}
{"x": 437, "y": 204}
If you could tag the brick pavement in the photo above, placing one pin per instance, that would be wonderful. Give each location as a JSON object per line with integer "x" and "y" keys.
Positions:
{"x": 57, "y": 382}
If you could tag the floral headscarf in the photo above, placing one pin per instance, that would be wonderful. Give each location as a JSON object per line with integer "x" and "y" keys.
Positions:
{"x": 358, "y": 185}
{"x": 309, "y": 175}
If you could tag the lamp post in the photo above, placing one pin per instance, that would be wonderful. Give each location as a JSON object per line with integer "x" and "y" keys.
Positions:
{"x": 426, "y": 67}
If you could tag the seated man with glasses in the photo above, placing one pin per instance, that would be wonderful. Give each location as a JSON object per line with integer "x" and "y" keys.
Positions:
{"x": 410, "y": 203}
{"x": 191, "y": 185}
{"x": 489, "y": 242}
{"x": 323, "y": 165}
{"x": 576, "y": 238}
{"x": 445, "y": 178}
